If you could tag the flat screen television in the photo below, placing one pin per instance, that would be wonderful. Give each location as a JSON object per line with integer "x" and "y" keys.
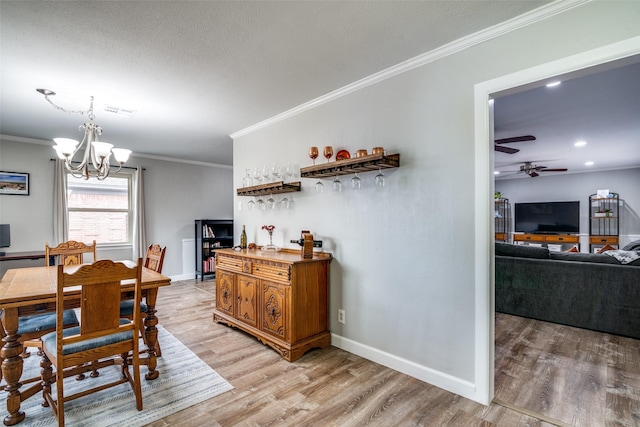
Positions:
{"x": 547, "y": 217}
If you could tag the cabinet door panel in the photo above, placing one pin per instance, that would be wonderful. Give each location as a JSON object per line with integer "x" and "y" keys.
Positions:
{"x": 224, "y": 292}
{"x": 275, "y": 309}
{"x": 247, "y": 300}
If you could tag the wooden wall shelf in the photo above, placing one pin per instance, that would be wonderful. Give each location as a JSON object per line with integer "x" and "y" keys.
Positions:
{"x": 369, "y": 163}
{"x": 270, "y": 188}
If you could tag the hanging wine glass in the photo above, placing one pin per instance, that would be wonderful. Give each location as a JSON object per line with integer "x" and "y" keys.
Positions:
{"x": 261, "y": 204}
{"x": 251, "y": 204}
{"x": 313, "y": 153}
{"x": 319, "y": 187}
{"x": 337, "y": 185}
{"x": 247, "y": 181}
{"x": 284, "y": 203}
{"x": 356, "y": 182}
{"x": 380, "y": 180}
{"x": 271, "y": 202}
{"x": 327, "y": 152}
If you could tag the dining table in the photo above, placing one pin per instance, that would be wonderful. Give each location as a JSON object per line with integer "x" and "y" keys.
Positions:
{"x": 32, "y": 290}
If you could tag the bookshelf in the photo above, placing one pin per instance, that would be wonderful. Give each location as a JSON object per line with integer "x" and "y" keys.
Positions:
{"x": 211, "y": 234}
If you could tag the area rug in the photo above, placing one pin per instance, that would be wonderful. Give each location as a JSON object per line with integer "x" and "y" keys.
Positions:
{"x": 184, "y": 381}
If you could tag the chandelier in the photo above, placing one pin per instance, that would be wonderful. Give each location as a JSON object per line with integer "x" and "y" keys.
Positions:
{"x": 96, "y": 153}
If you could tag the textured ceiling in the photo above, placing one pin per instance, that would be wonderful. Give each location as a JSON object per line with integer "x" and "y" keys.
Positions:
{"x": 198, "y": 71}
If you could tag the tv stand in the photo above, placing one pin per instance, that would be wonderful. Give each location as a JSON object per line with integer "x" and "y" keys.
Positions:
{"x": 548, "y": 238}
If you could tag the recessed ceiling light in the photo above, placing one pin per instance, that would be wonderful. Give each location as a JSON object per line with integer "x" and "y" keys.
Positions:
{"x": 580, "y": 144}
{"x": 553, "y": 84}
{"x": 588, "y": 164}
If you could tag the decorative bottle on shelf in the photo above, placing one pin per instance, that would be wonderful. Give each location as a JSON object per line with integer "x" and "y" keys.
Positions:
{"x": 243, "y": 238}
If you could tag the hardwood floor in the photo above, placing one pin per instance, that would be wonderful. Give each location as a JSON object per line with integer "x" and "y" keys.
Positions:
{"x": 576, "y": 376}
{"x": 331, "y": 387}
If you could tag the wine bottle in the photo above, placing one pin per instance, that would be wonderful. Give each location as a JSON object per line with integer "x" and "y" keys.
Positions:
{"x": 316, "y": 243}
{"x": 243, "y": 239}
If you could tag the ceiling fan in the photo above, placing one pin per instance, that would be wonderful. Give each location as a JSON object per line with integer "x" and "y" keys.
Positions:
{"x": 532, "y": 170}
{"x": 509, "y": 150}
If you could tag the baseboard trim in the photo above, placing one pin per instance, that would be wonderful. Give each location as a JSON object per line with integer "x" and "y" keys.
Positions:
{"x": 439, "y": 379}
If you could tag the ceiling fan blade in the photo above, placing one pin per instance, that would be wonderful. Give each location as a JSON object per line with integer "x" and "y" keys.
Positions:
{"x": 507, "y": 150}
{"x": 543, "y": 169}
{"x": 516, "y": 139}
{"x": 533, "y": 174}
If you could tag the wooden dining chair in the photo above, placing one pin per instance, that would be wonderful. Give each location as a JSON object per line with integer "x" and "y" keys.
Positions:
{"x": 153, "y": 261}
{"x": 155, "y": 257}
{"x": 69, "y": 252}
{"x": 102, "y": 334}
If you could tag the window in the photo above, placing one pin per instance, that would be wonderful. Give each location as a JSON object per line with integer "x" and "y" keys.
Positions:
{"x": 100, "y": 210}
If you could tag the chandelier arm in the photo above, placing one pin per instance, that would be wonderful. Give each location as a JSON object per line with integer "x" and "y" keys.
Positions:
{"x": 64, "y": 110}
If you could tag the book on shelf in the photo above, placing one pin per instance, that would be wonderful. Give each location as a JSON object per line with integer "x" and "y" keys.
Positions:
{"x": 207, "y": 232}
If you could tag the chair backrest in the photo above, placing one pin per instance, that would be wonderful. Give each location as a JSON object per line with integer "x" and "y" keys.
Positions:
{"x": 69, "y": 252}
{"x": 100, "y": 287}
{"x": 155, "y": 257}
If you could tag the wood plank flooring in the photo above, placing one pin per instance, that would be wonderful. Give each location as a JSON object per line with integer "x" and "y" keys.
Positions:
{"x": 331, "y": 387}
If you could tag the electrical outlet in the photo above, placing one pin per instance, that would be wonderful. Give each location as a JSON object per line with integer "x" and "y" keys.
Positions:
{"x": 341, "y": 316}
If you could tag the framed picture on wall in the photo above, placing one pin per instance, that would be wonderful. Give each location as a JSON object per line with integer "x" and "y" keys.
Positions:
{"x": 14, "y": 183}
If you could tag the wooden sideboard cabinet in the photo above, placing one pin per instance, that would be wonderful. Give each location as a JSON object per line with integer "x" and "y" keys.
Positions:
{"x": 278, "y": 297}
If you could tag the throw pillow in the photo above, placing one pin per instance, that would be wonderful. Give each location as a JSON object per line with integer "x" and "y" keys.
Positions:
{"x": 606, "y": 248}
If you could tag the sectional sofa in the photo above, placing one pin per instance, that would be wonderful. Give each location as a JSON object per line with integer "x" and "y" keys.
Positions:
{"x": 592, "y": 291}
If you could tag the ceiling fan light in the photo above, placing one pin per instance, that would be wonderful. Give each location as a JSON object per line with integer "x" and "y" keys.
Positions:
{"x": 121, "y": 154}
{"x": 580, "y": 144}
{"x": 102, "y": 149}
{"x": 65, "y": 146}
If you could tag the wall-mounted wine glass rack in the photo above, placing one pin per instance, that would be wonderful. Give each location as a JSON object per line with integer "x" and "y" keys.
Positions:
{"x": 371, "y": 162}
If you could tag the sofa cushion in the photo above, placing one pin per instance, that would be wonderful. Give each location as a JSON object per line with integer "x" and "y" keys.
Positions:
{"x": 583, "y": 257}
{"x": 632, "y": 246}
{"x": 523, "y": 251}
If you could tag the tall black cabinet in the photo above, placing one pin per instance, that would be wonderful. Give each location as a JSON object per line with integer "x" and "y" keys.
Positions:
{"x": 211, "y": 234}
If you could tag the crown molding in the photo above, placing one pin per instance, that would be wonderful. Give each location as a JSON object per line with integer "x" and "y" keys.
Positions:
{"x": 463, "y": 43}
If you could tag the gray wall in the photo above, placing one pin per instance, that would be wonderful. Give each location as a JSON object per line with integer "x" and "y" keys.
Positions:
{"x": 175, "y": 194}
{"x": 404, "y": 267}
{"x": 579, "y": 186}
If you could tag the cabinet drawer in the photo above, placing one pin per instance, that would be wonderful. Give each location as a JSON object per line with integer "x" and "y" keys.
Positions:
{"x": 524, "y": 237}
{"x": 596, "y": 240}
{"x": 562, "y": 239}
{"x": 272, "y": 271}
{"x": 232, "y": 264}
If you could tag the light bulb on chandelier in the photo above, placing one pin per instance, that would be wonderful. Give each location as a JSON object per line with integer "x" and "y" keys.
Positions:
{"x": 96, "y": 153}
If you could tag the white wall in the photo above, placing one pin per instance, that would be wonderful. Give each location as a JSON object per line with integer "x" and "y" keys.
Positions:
{"x": 579, "y": 186}
{"x": 404, "y": 267}
{"x": 175, "y": 195}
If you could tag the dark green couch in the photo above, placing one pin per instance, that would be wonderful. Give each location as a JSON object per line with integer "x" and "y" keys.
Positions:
{"x": 592, "y": 291}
